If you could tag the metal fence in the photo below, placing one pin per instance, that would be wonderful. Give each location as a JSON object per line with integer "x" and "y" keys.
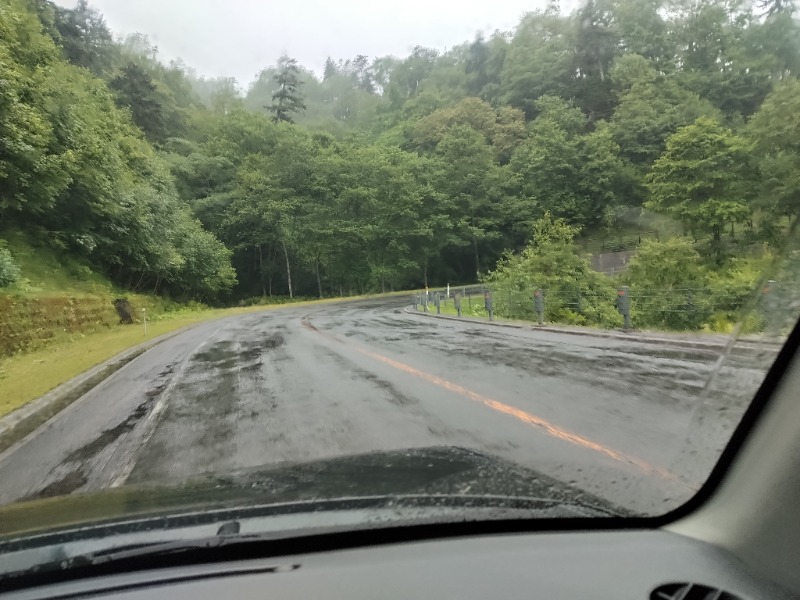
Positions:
{"x": 683, "y": 308}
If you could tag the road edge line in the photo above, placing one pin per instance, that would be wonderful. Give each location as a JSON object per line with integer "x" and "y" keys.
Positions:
{"x": 23, "y": 424}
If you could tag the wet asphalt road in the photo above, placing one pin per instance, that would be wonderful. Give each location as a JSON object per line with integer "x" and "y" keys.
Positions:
{"x": 637, "y": 424}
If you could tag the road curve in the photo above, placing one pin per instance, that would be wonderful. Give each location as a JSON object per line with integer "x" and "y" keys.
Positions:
{"x": 311, "y": 382}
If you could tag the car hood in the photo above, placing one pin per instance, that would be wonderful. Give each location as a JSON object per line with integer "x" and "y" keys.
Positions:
{"x": 435, "y": 481}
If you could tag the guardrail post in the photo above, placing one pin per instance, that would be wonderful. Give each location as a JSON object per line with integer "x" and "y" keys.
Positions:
{"x": 425, "y": 303}
{"x": 487, "y": 303}
{"x": 538, "y": 304}
{"x": 624, "y": 305}
{"x": 770, "y": 307}
{"x": 437, "y": 300}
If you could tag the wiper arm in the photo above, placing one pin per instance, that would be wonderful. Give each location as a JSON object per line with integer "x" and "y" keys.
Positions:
{"x": 226, "y": 534}
{"x": 238, "y": 546}
{"x": 142, "y": 557}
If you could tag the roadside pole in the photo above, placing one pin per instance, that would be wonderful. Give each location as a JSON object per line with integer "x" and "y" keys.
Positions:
{"x": 624, "y": 305}
{"x": 487, "y": 303}
{"x": 538, "y": 304}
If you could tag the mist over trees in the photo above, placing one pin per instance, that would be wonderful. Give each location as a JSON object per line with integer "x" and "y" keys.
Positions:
{"x": 623, "y": 117}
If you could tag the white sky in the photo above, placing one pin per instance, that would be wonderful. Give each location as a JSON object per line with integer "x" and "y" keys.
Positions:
{"x": 240, "y": 37}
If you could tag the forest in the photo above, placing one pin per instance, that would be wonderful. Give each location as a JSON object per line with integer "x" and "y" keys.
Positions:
{"x": 671, "y": 127}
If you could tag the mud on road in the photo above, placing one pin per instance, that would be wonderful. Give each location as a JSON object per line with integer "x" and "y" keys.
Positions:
{"x": 613, "y": 417}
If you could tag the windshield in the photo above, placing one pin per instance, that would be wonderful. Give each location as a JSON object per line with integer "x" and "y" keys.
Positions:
{"x": 349, "y": 265}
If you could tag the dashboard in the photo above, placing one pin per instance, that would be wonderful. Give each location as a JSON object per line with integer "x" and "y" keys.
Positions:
{"x": 618, "y": 565}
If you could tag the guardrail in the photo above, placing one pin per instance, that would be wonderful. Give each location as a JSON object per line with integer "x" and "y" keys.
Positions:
{"x": 676, "y": 308}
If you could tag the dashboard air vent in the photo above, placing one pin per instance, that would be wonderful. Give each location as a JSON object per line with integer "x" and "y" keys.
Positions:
{"x": 689, "y": 591}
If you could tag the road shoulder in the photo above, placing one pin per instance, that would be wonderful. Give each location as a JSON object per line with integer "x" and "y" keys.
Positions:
{"x": 696, "y": 342}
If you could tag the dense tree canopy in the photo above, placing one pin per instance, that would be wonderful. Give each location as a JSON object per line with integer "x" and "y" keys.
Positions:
{"x": 392, "y": 172}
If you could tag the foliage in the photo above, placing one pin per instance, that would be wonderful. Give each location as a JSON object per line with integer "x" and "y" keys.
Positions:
{"x": 563, "y": 169}
{"x": 573, "y": 292}
{"x": 392, "y": 172}
{"x": 75, "y": 164}
{"x": 775, "y": 136}
{"x": 286, "y": 99}
{"x": 9, "y": 270}
{"x": 137, "y": 92}
{"x": 669, "y": 286}
{"x": 703, "y": 178}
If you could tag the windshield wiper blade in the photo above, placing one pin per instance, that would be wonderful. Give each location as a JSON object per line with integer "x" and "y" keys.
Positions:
{"x": 136, "y": 557}
{"x": 227, "y": 533}
{"x": 239, "y": 546}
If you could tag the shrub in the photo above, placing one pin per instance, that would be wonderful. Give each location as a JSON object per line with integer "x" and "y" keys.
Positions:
{"x": 669, "y": 286}
{"x": 573, "y": 293}
{"x": 9, "y": 271}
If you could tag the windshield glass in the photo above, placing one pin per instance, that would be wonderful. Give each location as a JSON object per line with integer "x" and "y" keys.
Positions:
{"x": 353, "y": 264}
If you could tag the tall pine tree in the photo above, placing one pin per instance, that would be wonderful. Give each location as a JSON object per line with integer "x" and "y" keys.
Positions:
{"x": 287, "y": 99}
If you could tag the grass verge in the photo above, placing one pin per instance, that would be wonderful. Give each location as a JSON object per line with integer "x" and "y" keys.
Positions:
{"x": 25, "y": 377}
{"x": 475, "y": 309}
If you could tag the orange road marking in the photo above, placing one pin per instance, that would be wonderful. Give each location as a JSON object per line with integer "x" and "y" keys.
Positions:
{"x": 521, "y": 415}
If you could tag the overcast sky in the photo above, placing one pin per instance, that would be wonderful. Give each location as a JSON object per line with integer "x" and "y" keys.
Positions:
{"x": 240, "y": 37}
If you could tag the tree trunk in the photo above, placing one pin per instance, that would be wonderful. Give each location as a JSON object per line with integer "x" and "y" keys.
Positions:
{"x": 261, "y": 271}
{"x": 288, "y": 269}
{"x": 477, "y": 258}
{"x": 138, "y": 283}
{"x": 155, "y": 287}
{"x": 383, "y": 285}
{"x": 425, "y": 272}
{"x": 319, "y": 281}
{"x": 717, "y": 243}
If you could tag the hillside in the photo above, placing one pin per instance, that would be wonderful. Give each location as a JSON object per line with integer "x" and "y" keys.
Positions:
{"x": 390, "y": 173}
{"x": 58, "y": 298}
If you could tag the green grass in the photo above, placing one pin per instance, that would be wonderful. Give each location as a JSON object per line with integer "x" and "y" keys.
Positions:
{"x": 49, "y": 271}
{"x": 476, "y": 309}
{"x": 60, "y": 321}
{"x": 25, "y": 377}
